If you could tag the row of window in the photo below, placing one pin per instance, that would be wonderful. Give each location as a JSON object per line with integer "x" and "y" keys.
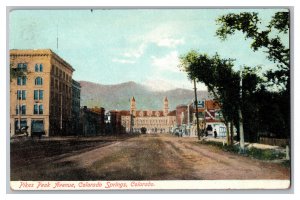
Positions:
{"x": 21, "y": 80}
{"x": 149, "y": 122}
{"x": 58, "y": 72}
{"x": 37, "y": 94}
{"x": 38, "y": 109}
{"x": 37, "y": 67}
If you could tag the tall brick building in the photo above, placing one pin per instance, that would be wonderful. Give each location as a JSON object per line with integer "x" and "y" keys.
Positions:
{"x": 44, "y": 94}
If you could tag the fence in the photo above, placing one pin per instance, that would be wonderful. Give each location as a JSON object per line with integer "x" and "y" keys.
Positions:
{"x": 273, "y": 141}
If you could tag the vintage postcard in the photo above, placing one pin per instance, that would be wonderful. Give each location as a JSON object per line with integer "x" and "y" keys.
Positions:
{"x": 147, "y": 99}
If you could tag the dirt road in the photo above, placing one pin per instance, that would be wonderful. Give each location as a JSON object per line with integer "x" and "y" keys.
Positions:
{"x": 152, "y": 157}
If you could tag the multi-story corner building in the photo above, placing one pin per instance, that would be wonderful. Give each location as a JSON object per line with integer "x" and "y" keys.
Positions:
{"x": 76, "y": 88}
{"x": 155, "y": 121}
{"x": 43, "y": 95}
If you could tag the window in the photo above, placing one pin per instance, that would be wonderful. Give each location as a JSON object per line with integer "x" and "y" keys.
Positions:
{"x": 21, "y": 80}
{"x": 21, "y": 95}
{"x": 35, "y": 95}
{"x": 56, "y": 84}
{"x": 38, "y": 109}
{"x": 23, "y": 123}
{"x": 22, "y": 66}
{"x": 41, "y": 109}
{"x": 38, "y": 68}
{"x": 38, "y": 81}
{"x": 38, "y": 94}
{"x": 35, "y": 109}
{"x": 41, "y": 94}
{"x": 24, "y": 80}
{"x": 22, "y": 109}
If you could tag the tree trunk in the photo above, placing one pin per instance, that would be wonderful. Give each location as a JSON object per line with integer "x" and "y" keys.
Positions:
{"x": 231, "y": 133}
{"x": 227, "y": 133}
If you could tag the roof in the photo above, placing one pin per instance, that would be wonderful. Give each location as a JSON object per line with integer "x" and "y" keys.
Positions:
{"x": 212, "y": 105}
{"x": 124, "y": 112}
{"x": 172, "y": 113}
{"x": 40, "y": 52}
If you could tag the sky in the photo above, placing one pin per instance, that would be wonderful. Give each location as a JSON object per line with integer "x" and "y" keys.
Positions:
{"x": 143, "y": 45}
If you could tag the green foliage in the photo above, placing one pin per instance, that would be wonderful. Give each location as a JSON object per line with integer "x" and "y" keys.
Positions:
{"x": 276, "y": 51}
{"x": 16, "y": 72}
{"x": 264, "y": 109}
{"x": 265, "y": 154}
{"x": 217, "y": 74}
{"x": 260, "y": 154}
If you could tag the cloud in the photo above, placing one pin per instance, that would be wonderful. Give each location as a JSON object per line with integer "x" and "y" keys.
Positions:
{"x": 124, "y": 61}
{"x": 135, "y": 53}
{"x": 169, "y": 42}
{"x": 168, "y": 63}
{"x": 158, "y": 84}
{"x": 162, "y": 36}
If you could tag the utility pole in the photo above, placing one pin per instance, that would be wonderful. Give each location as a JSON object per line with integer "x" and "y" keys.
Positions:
{"x": 188, "y": 124}
{"x": 196, "y": 104}
{"x": 242, "y": 142}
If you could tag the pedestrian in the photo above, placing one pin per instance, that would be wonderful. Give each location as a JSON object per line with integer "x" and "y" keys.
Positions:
{"x": 215, "y": 133}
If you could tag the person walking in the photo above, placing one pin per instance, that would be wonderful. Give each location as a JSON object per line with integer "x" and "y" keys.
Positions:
{"x": 215, "y": 133}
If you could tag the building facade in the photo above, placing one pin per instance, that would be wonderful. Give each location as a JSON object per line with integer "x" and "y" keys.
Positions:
{"x": 91, "y": 121}
{"x": 76, "y": 88}
{"x": 43, "y": 94}
{"x": 155, "y": 121}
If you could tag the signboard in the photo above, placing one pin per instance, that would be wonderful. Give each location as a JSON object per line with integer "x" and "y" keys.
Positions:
{"x": 201, "y": 104}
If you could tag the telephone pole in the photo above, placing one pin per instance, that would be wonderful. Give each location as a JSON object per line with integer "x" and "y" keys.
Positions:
{"x": 196, "y": 104}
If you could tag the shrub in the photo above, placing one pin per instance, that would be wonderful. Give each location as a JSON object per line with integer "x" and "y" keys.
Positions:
{"x": 261, "y": 154}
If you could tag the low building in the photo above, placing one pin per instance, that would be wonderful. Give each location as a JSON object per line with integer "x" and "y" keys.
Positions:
{"x": 91, "y": 121}
{"x": 210, "y": 117}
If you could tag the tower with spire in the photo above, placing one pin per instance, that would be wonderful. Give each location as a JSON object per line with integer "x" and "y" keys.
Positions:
{"x": 132, "y": 106}
{"x": 166, "y": 106}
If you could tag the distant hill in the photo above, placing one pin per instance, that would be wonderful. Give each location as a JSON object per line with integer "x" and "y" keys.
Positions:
{"x": 117, "y": 96}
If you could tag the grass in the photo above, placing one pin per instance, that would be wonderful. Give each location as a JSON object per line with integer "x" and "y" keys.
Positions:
{"x": 260, "y": 154}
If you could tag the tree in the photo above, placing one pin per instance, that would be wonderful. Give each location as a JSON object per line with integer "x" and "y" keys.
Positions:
{"x": 218, "y": 76}
{"x": 270, "y": 40}
{"x": 248, "y": 23}
{"x": 16, "y": 72}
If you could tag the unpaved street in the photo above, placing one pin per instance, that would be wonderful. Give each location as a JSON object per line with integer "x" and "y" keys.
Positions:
{"x": 149, "y": 157}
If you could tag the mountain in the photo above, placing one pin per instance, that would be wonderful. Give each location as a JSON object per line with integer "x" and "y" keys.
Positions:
{"x": 117, "y": 96}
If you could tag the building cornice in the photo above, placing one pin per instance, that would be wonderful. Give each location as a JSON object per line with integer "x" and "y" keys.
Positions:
{"x": 39, "y": 52}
